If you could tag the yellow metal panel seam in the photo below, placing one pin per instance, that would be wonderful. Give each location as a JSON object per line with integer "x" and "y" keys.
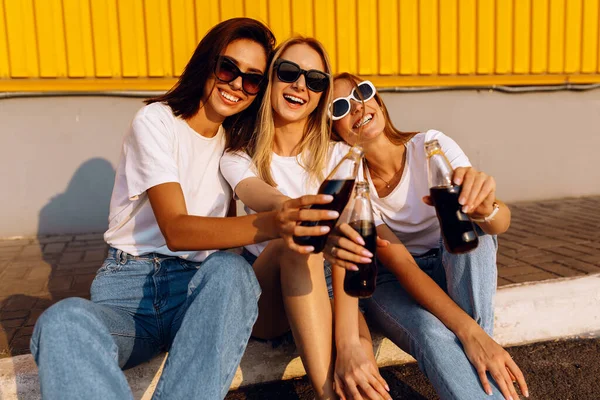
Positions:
{"x": 324, "y": 23}
{"x": 166, "y": 39}
{"x": 556, "y": 43}
{"x": 206, "y": 16}
{"x": 183, "y": 33}
{"x": 485, "y": 36}
{"x": 257, "y": 9}
{"x": 522, "y": 37}
{"x": 573, "y": 32}
{"x": 50, "y": 38}
{"x": 346, "y": 36}
{"x": 589, "y": 42}
{"x": 428, "y": 37}
{"x": 87, "y": 39}
{"x": 231, "y": 9}
{"x": 140, "y": 35}
{"x": 388, "y": 37}
{"x": 504, "y": 36}
{"x": 154, "y": 38}
{"x": 4, "y": 61}
{"x": 467, "y": 43}
{"x": 302, "y": 17}
{"x": 409, "y": 37}
{"x": 448, "y": 37}
{"x": 366, "y": 22}
{"x": 539, "y": 37}
{"x": 279, "y": 19}
{"x": 21, "y": 39}
{"x": 113, "y": 38}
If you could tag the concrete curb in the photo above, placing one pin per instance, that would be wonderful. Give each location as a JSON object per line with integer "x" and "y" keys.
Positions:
{"x": 525, "y": 313}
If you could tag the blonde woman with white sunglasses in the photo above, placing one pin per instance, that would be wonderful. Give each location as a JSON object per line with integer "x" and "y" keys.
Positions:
{"x": 435, "y": 305}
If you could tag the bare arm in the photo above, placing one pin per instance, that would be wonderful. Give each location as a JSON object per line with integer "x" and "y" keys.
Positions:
{"x": 184, "y": 232}
{"x": 420, "y": 286}
{"x": 259, "y": 195}
{"x": 355, "y": 365}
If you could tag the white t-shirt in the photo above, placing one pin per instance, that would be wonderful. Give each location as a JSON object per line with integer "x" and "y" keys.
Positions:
{"x": 161, "y": 148}
{"x": 291, "y": 178}
{"x": 403, "y": 210}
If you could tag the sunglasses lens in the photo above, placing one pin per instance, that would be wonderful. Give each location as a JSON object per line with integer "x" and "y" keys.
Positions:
{"x": 227, "y": 70}
{"x": 365, "y": 92}
{"x": 340, "y": 108}
{"x": 252, "y": 83}
{"x": 287, "y": 72}
{"x": 317, "y": 81}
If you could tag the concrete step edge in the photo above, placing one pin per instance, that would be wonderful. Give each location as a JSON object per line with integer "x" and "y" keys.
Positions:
{"x": 525, "y": 313}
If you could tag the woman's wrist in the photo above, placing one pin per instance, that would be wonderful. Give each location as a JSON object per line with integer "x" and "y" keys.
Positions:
{"x": 346, "y": 341}
{"x": 487, "y": 215}
{"x": 467, "y": 330}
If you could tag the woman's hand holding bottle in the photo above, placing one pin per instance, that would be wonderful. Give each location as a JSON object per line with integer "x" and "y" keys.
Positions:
{"x": 478, "y": 191}
{"x": 345, "y": 248}
{"x": 294, "y": 211}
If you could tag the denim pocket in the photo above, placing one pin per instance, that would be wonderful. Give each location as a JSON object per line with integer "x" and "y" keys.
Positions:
{"x": 189, "y": 265}
{"x": 110, "y": 265}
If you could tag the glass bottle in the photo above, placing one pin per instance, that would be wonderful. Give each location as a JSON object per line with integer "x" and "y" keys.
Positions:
{"x": 457, "y": 229}
{"x": 361, "y": 283}
{"x": 339, "y": 184}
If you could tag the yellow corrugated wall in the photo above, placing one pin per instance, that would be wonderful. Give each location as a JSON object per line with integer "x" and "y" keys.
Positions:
{"x": 144, "y": 44}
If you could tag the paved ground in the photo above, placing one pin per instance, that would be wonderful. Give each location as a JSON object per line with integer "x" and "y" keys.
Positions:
{"x": 547, "y": 240}
{"x": 565, "y": 369}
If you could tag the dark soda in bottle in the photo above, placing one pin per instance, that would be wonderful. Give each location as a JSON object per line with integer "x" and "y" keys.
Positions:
{"x": 457, "y": 229}
{"x": 361, "y": 283}
{"x": 338, "y": 184}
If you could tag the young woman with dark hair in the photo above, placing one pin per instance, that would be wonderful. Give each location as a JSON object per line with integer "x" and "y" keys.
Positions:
{"x": 163, "y": 286}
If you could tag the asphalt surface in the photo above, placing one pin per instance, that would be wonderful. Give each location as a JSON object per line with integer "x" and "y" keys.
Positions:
{"x": 562, "y": 369}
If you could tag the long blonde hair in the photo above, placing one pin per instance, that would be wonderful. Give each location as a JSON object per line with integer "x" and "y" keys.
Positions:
{"x": 393, "y": 134}
{"x": 314, "y": 145}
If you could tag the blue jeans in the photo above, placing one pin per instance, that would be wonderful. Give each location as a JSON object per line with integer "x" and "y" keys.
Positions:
{"x": 201, "y": 313}
{"x": 470, "y": 280}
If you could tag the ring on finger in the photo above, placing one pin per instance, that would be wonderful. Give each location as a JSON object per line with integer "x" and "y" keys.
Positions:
{"x": 334, "y": 251}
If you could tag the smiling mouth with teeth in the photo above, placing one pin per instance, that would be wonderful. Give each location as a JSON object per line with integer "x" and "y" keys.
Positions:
{"x": 294, "y": 99}
{"x": 229, "y": 97}
{"x": 362, "y": 122}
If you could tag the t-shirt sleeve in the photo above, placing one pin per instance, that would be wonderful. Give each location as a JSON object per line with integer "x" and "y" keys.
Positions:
{"x": 149, "y": 153}
{"x": 237, "y": 166}
{"x": 453, "y": 152}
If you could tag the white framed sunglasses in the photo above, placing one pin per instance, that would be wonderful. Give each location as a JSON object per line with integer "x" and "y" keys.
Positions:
{"x": 341, "y": 106}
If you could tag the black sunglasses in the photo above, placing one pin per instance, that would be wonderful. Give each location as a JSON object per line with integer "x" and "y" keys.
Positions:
{"x": 289, "y": 72}
{"x": 227, "y": 71}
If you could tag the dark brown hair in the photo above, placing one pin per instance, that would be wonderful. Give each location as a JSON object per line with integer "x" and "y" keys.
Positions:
{"x": 394, "y": 135}
{"x": 184, "y": 98}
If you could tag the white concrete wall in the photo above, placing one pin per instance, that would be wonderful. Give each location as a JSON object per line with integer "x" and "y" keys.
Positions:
{"x": 58, "y": 155}
{"x": 536, "y": 145}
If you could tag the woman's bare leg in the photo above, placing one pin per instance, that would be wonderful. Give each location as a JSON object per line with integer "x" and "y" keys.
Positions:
{"x": 294, "y": 289}
{"x": 309, "y": 314}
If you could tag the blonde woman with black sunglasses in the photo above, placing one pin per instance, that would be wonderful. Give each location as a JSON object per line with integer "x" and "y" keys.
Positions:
{"x": 289, "y": 155}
